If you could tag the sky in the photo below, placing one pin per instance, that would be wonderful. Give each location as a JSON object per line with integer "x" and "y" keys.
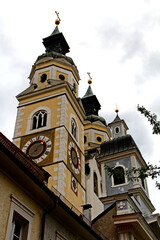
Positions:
{"x": 118, "y": 42}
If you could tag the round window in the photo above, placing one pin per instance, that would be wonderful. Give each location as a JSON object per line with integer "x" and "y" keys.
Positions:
{"x": 99, "y": 139}
{"x": 43, "y": 78}
{"x": 61, "y": 77}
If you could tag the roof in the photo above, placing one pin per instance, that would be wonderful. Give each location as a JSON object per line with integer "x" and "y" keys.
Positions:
{"x": 117, "y": 145}
{"x": 56, "y": 42}
{"x": 23, "y": 159}
{"x": 55, "y": 31}
{"x": 16, "y": 156}
{"x": 112, "y": 205}
{"x": 88, "y": 93}
{"x": 92, "y": 106}
{"x": 117, "y": 119}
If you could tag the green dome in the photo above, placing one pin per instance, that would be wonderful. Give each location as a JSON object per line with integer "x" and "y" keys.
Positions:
{"x": 55, "y": 55}
{"x": 94, "y": 118}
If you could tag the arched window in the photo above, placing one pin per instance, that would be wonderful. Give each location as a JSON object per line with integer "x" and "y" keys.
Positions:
{"x": 119, "y": 175}
{"x": 74, "y": 128}
{"x": 39, "y": 119}
{"x": 95, "y": 183}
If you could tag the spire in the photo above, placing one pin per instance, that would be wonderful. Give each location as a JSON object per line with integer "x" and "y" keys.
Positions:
{"x": 118, "y": 126}
{"x": 91, "y": 104}
{"x": 55, "y": 31}
{"x": 89, "y": 92}
{"x": 56, "y": 41}
{"x": 117, "y": 118}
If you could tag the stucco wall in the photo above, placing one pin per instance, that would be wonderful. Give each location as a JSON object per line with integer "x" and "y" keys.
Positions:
{"x": 8, "y": 187}
{"x": 113, "y": 190}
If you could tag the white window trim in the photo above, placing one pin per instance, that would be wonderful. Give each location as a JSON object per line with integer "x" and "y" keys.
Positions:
{"x": 118, "y": 129}
{"x": 18, "y": 207}
{"x": 126, "y": 179}
{"x": 29, "y": 121}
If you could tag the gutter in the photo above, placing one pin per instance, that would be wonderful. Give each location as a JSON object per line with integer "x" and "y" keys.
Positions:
{"x": 44, "y": 220}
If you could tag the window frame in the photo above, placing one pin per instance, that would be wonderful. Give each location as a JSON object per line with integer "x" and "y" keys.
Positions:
{"x": 29, "y": 122}
{"x": 72, "y": 118}
{"x": 19, "y": 211}
{"x": 125, "y": 177}
{"x": 41, "y": 119}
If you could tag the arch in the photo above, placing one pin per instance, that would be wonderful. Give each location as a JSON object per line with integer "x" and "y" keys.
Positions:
{"x": 39, "y": 119}
{"x": 95, "y": 183}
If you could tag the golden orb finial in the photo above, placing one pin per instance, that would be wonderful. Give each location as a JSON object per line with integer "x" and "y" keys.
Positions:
{"x": 90, "y": 79}
{"x": 57, "y": 21}
{"x": 117, "y": 110}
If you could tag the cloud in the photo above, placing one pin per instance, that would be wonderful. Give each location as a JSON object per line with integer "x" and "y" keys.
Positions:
{"x": 152, "y": 64}
{"x": 133, "y": 45}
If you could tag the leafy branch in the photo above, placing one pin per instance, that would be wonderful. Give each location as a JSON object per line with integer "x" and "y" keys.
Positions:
{"x": 152, "y": 118}
{"x": 134, "y": 174}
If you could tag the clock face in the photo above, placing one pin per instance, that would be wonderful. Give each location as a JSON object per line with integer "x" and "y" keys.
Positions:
{"x": 74, "y": 185}
{"x": 38, "y": 148}
{"x": 74, "y": 157}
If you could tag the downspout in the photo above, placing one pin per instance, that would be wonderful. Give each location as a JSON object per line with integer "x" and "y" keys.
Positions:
{"x": 44, "y": 220}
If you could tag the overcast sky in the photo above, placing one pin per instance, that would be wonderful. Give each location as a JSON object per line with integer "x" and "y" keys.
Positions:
{"x": 118, "y": 41}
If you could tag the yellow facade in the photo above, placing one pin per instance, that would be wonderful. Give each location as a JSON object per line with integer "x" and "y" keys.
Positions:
{"x": 59, "y": 99}
{"x": 21, "y": 195}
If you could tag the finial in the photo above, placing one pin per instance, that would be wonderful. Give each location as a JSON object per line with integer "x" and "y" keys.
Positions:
{"x": 57, "y": 21}
{"x": 116, "y": 110}
{"x": 90, "y": 79}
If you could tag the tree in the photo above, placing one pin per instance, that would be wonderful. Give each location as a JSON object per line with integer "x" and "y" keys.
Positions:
{"x": 152, "y": 118}
{"x": 134, "y": 174}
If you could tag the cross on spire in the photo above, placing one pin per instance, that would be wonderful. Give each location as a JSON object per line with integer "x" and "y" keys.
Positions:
{"x": 90, "y": 79}
{"x": 57, "y": 22}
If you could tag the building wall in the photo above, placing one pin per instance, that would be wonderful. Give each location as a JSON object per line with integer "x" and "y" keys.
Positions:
{"x": 55, "y": 229}
{"x": 8, "y": 187}
{"x": 112, "y": 189}
{"x": 91, "y": 197}
{"x": 105, "y": 225}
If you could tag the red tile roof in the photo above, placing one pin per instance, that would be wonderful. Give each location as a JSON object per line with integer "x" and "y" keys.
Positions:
{"x": 26, "y": 161}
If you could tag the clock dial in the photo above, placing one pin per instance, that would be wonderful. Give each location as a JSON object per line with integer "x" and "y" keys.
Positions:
{"x": 38, "y": 148}
{"x": 74, "y": 185}
{"x": 74, "y": 158}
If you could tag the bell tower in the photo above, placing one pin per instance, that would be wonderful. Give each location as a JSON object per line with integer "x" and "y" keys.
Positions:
{"x": 49, "y": 125}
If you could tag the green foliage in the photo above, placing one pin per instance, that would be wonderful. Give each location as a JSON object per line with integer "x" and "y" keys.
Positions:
{"x": 152, "y": 118}
{"x": 134, "y": 174}
{"x": 149, "y": 170}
